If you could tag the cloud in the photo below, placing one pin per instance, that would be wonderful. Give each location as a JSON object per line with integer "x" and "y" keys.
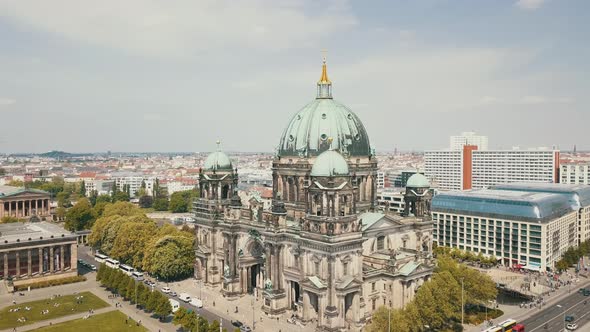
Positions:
{"x": 183, "y": 28}
{"x": 152, "y": 117}
{"x": 529, "y": 4}
{"x": 536, "y": 100}
{"x": 7, "y": 101}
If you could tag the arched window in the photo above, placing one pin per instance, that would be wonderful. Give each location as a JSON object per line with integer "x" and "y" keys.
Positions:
{"x": 381, "y": 242}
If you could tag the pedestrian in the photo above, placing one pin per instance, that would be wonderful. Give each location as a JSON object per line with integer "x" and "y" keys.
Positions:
{"x": 125, "y": 322}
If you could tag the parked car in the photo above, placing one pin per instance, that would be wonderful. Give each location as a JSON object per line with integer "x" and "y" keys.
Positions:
{"x": 570, "y": 318}
{"x": 166, "y": 290}
{"x": 93, "y": 267}
{"x": 173, "y": 294}
{"x": 237, "y": 323}
{"x": 245, "y": 328}
{"x": 196, "y": 303}
{"x": 571, "y": 326}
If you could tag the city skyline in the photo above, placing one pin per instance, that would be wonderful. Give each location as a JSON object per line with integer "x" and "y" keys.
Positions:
{"x": 415, "y": 73}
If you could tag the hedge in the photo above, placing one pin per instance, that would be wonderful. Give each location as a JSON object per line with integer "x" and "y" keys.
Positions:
{"x": 49, "y": 283}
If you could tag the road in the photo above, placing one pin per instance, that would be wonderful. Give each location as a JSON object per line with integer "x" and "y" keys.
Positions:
{"x": 84, "y": 254}
{"x": 553, "y": 315}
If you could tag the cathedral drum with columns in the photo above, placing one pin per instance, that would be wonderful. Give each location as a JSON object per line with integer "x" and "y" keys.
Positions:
{"x": 321, "y": 254}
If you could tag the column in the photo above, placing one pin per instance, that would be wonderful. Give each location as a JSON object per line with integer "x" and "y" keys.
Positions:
{"x": 10, "y": 209}
{"x": 50, "y": 259}
{"x": 355, "y": 307}
{"x": 73, "y": 257}
{"x": 17, "y": 252}
{"x": 62, "y": 257}
{"x": 306, "y": 305}
{"x": 41, "y": 261}
{"x": 5, "y": 265}
{"x": 36, "y": 207}
{"x": 43, "y": 207}
{"x": 29, "y": 263}
{"x": 267, "y": 264}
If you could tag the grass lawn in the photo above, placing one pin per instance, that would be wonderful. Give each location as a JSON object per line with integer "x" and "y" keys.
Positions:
{"x": 111, "y": 321}
{"x": 67, "y": 306}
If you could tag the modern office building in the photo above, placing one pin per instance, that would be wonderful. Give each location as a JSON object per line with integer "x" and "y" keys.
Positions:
{"x": 391, "y": 200}
{"x": 468, "y": 138}
{"x": 575, "y": 173}
{"x": 578, "y": 195}
{"x": 531, "y": 229}
{"x": 134, "y": 181}
{"x": 471, "y": 168}
{"x": 101, "y": 187}
{"x": 37, "y": 251}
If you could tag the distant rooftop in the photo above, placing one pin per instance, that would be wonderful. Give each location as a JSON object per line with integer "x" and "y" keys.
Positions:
{"x": 505, "y": 204}
{"x": 10, "y": 190}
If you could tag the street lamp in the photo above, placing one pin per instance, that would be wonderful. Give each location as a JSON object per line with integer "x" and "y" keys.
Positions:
{"x": 462, "y": 304}
{"x": 563, "y": 309}
{"x": 253, "y": 319}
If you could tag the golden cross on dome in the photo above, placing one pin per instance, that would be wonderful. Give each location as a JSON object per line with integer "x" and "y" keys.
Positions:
{"x": 218, "y": 142}
{"x": 324, "y": 79}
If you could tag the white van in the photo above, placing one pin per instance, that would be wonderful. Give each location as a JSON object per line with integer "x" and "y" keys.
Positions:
{"x": 184, "y": 297}
{"x": 175, "y": 304}
{"x": 197, "y": 303}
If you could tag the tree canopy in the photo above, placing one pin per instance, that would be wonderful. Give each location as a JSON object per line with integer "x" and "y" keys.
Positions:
{"x": 80, "y": 216}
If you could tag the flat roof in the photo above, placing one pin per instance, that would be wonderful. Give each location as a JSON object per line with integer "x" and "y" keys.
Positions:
{"x": 505, "y": 204}
{"x": 12, "y": 232}
{"x": 579, "y": 193}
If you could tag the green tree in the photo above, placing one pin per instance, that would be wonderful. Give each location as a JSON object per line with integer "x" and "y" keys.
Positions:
{"x": 80, "y": 216}
{"x": 152, "y": 302}
{"x": 178, "y": 203}
{"x": 121, "y": 196}
{"x": 163, "y": 308}
{"x": 170, "y": 257}
{"x": 392, "y": 319}
{"x": 100, "y": 272}
{"x": 437, "y": 303}
{"x": 203, "y": 323}
{"x": 82, "y": 189}
{"x": 132, "y": 238}
{"x": 143, "y": 293}
{"x": 130, "y": 289}
{"x": 479, "y": 287}
{"x": 63, "y": 199}
{"x": 180, "y": 316}
{"x": 16, "y": 183}
{"x": 214, "y": 327}
{"x": 146, "y": 201}
{"x": 561, "y": 265}
{"x": 160, "y": 204}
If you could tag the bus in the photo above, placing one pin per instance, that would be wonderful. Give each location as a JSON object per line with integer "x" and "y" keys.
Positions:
{"x": 137, "y": 276}
{"x": 128, "y": 270}
{"x": 507, "y": 325}
{"x": 100, "y": 257}
{"x": 113, "y": 263}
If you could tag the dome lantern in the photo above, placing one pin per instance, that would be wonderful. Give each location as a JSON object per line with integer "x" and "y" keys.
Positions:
{"x": 324, "y": 84}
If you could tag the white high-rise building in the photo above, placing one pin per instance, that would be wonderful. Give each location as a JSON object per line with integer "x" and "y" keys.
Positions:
{"x": 575, "y": 173}
{"x": 470, "y": 168}
{"x": 468, "y": 138}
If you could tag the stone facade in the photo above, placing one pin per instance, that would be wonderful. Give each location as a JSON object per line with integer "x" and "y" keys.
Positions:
{"x": 31, "y": 252}
{"x": 23, "y": 203}
{"x": 320, "y": 253}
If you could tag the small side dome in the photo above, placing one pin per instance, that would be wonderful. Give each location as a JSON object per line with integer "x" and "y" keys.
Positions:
{"x": 218, "y": 161}
{"x": 418, "y": 181}
{"x": 329, "y": 163}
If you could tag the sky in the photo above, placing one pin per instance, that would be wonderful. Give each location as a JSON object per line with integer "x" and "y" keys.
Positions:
{"x": 177, "y": 75}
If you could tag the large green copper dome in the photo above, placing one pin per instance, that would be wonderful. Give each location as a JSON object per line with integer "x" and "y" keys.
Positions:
{"x": 309, "y": 131}
{"x": 418, "y": 181}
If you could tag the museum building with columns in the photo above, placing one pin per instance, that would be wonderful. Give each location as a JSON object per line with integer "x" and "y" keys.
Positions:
{"x": 322, "y": 254}
{"x": 36, "y": 251}
{"x": 22, "y": 203}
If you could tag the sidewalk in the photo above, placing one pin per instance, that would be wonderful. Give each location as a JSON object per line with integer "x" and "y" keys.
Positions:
{"x": 520, "y": 314}
{"x": 48, "y": 322}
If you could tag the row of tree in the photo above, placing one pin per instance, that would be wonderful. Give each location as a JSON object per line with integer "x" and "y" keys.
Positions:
{"x": 135, "y": 292}
{"x": 125, "y": 233}
{"x": 189, "y": 321}
{"x": 465, "y": 256}
{"x": 437, "y": 304}
{"x": 572, "y": 256}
